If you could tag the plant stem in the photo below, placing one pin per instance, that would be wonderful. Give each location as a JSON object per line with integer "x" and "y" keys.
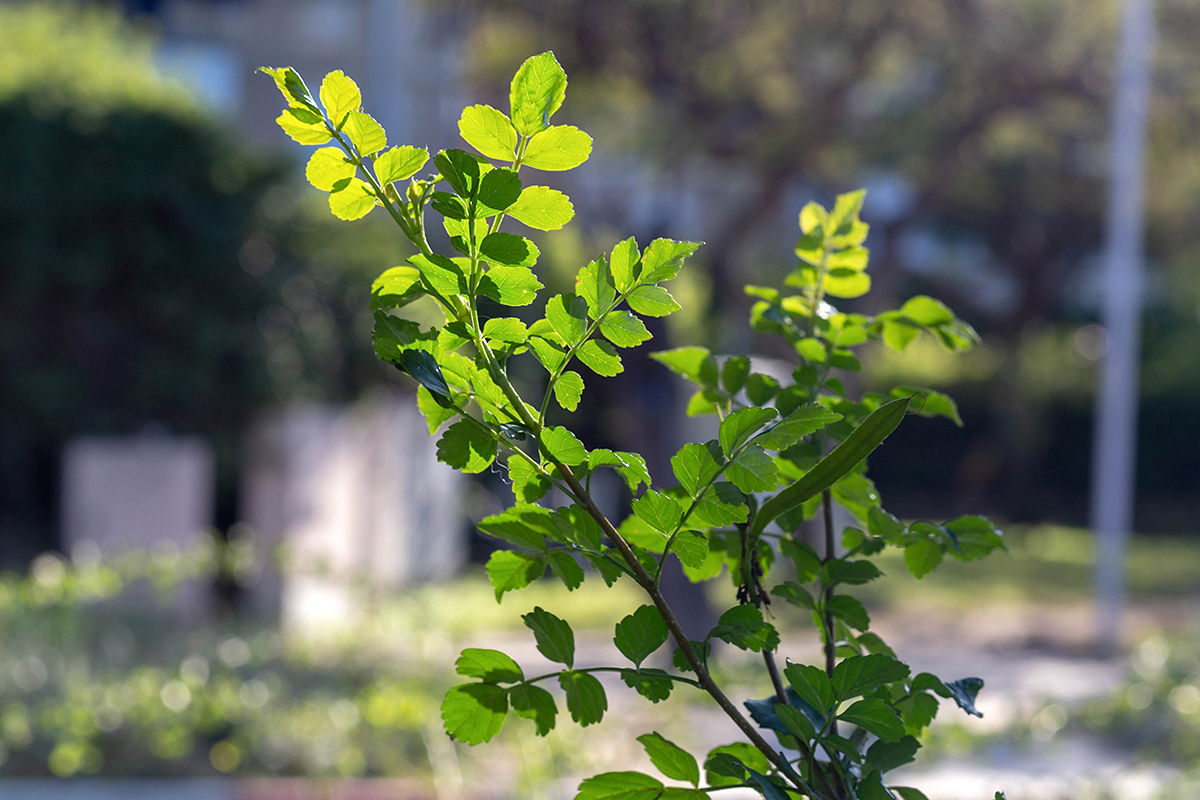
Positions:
{"x": 830, "y": 555}
{"x": 780, "y": 694}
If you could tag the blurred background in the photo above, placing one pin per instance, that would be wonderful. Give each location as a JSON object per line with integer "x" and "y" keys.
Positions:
{"x": 215, "y": 503}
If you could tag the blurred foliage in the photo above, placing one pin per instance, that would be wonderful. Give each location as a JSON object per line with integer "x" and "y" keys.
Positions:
{"x": 151, "y": 272}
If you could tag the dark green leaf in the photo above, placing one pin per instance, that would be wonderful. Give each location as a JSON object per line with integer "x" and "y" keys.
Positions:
{"x": 761, "y": 388}
{"x": 741, "y": 425}
{"x": 600, "y": 357}
{"x": 691, "y": 548}
{"x": 498, "y": 190}
{"x": 743, "y": 627}
{"x": 849, "y": 610}
{"x": 753, "y": 471}
{"x": 702, "y": 649}
{"x": 797, "y": 723}
{"x": 466, "y": 446}
{"x": 795, "y": 594}
{"x": 922, "y": 556}
{"x": 723, "y": 504}
{"x": 585, "y": 697}
{"x": 554, "y": 637}
{"x": 860, "y": 675}
{"x": 875, "y": 716}
{"x": 474, "y": 712}
{"x": 509, "y": 570}
{"x": 726, "y": 765}
{"x": 508, "y": 249}
{"x": 620, "y": 786}
{"x": 765, "y": 785}
{"x": 565, "y": 568}
{"x": 964, "y": 691}
{"x": 652, "y": 684}
{"x": 661, "y": 512}
{"x": 460, "y": 169}
{"x": 804, "y": 557}
{"x": 535, "y": 703}
{"x": 640, "y": 634}
{"x": 813, "y": 686}
{"x": 852, "y": 572}
{"x": 511, "y": 286}
{"x": 670, "y": 759}
{"x": 908, "y": 793}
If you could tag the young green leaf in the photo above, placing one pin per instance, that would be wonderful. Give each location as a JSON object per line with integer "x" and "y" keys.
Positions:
{"x": 490, "y": 665}
{"x": 624, "y": 329}
{"x": 625, "y": 263}
{"x": 663, "y": 259}
{"x": 691, "y": 548}
{"x": 396, "y": 287}
{"x": 554, "y": 637}
{"x": 743, "y": 627}
{"x": 562, "y": 445}
{"x": 506, "y": 329}
{"x": 488, "y": 131}
{"x": 640, "y": 634}
{"x": 753, "y": 471}
{"x": 694, "y": 363}
{"x": 435, "y": 413}
{"x": 508, "y": 249}
{"x": 568, "y": 389}
{"x": 594, "y": 283}
{"x": 734, "y": 373}
{"x": 652, "y": 301}
{"x": 542, "y": 208}
{"x": 796, "y": 722}
{"x": 400, "y": 163}
{"x": 620, "y": 786}
{"x": 510, "y": 286}
{"x": 875, "y": 716}
{"x": 537, "y": 91}
{"x": 922, "y": 556}
{"x": 528, "y": 484}
{"x": 367, "y": 135}
{"x": 723, "y": 504}
{"x": 565, "y": 568}
{"x": 535, "y": 703}
{"x": 671, "y": 759}
{"x": 304, "y": 126}
{"x": 523, "y": 525}
{"x": 467, "y": 447}
{"x": 558, "y": 148}
{"x": 741, "y": 425}
{"x": 328, "y": 167}
{"x": 661, "y": 512}
{"x": 351, "y": 199}
{"x": 806, "y": 419}
{"x": 339, "y": 95}
{"x": 290, "y": 85}
{"x": 600, "y": 358}
{"x": 567, "y": 315}
{"x": 586, "y": 699}
{"x": 695, "y": 465}
{"x": 509, "y": 571}
{"x": 474, "y": 712}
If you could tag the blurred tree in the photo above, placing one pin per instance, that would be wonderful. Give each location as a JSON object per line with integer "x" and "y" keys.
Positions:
{"x": 151, "y": 273}
{"x": 980, "y": 124}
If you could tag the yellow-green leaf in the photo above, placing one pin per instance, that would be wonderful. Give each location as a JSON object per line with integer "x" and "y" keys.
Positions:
{"x": 305, "y": 126}
{"x": 352, "y": 201}
{"x": 488, "y": 131}
{"x": 326, "y": 167}
{"x": 340, "y": 96}
{"x": 558, "y": 148}
{"x": 537, "y": 91}
{"x": 400, "y": 163}
{"x": 367, "y": 134}
{"x": 542, "y": 207}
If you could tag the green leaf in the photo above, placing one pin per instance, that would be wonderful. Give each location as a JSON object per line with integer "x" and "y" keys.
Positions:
{"x": 846, "y": 283}
{"x": 442, "y": 274}
{"x": 652, "y": 684}
{"x": 691, "y": 548}
{"x": 600, "y": 357}
{"x": 768, "y": 788}
{"x": 304, "y": 126}
{"x": 663, "y": 258}
{"x": 488, "y": 131}
{"x": 537, "y": 91}
{"x": 670, "y": 759}
{"x": 887, "y": 756}
{"x": 460, "y": 169}
{"x": 929, "y": 403}
{"x": 624, "y": 263}
{"x": 849, "y": 610}
{"x": 568, "y": 389}
{"x": 761, "y": 388}
{"x": 743, "y": 627}
{"x": 797, "y": 724}
{"x": 290, "y": 85}
{"x": 510, "y": 571}
{"x": 594, "y": 283}
{"x": 924, "y": 310}
{"x": 883, "y": 524}
{"x": 723, "y": 504}
{"x": 498, "y": 190}
{"x": 327, "y": 167}
{"x": 467, "y": 447}
{"x": 367, "y": 135}
{"x": 400, "y": 163}
{"x": 339, "y": 96}
{"x": 804, "y": 557}
{"x": 806, "y": 419}
{"x": 696, "y": 464}
{"x": 741, "y": 425}
{"x": 506, "y": 329}
{"x": 694, "y": 363}
{"x": 558, "y": 148}
{"x": 352, "y": 200}
{"x": 554, "y": 637}
{"x": 922, "y": 556}
{"x": 528, "y": 485}
{"x": 542, "y": 208}
{"x": 624, "y": 329}
{"x": 585, "y": 697}
{"x": 396, "y": 287}
{"x": 474, "y": 712}
{"x": 976, "y": 537}
{"x": 843, "y": 458}
{"x": 813, "y": 686}
{"x": 753, "y": 471}
{"x": 852, "y": 572}
{"x": 563, "y": 445}
{"x": 435, "y": 413}
{"x": 424, "y": 368}
{"x": 726, "y": 765}
{"x": 871, "y": 786}
{"x": 640, "y": 634}
{"x": 491, "y": 665}
{"x": 579, "y": 526}
{"x": 860, "y": 675}
{"x": 565, "y": 568}
{"x": 522, "y": 525}
{"x": 875, "y": 716}
{"x": 652, "y": 301}
{"x": 661, "y": 512}
{"x": 567, "y": 315}
{"x": 734, "y": 373}
{"x": 620, "y": 786}
{"x": 508, "y": 249}
{"x": 510, "y": 286}
{"x": 535, "y": 703}
{"x": 550, "y": 355}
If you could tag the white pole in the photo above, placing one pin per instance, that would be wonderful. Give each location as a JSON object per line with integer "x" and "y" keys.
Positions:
{"x": 1114, "y": 452}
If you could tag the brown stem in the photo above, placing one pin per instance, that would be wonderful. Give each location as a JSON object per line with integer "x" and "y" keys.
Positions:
{"x": 780, "y": 695}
